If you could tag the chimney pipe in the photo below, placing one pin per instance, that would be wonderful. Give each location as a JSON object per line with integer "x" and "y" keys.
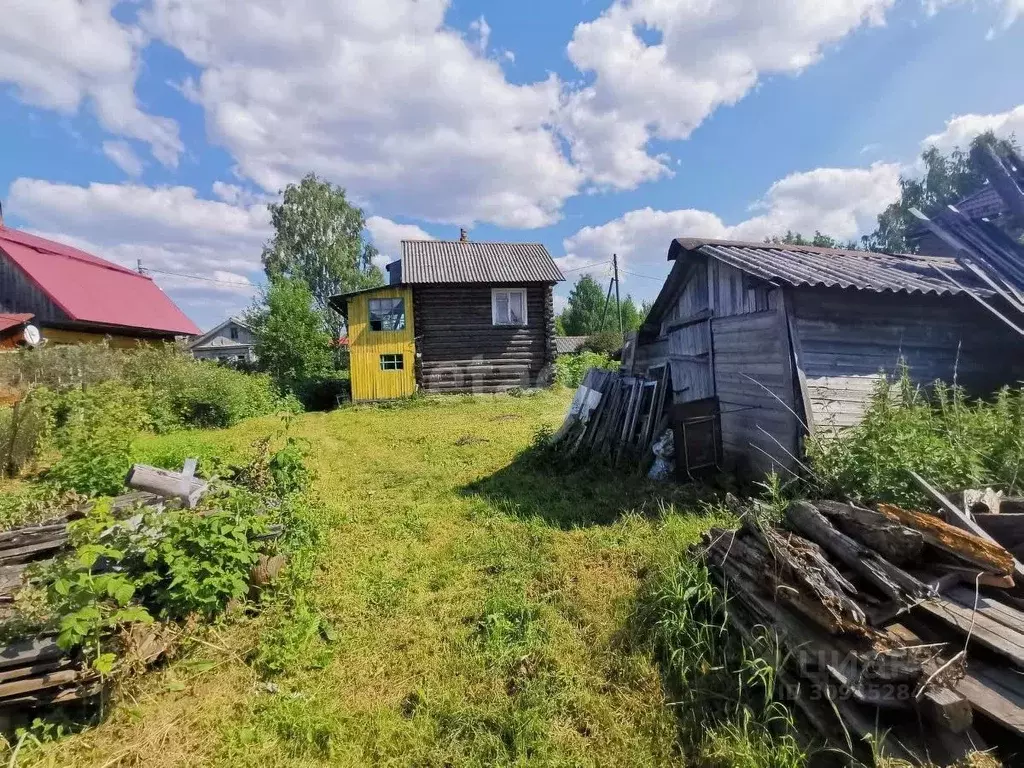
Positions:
{"x": 1, "y": 214}
{"x": 463, "y": 236}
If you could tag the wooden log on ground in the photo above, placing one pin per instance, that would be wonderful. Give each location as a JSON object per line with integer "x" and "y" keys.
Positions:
{"x": 982, "y": 629}
{"x": 887, "y": 578}
{"x": 32, "y": 551}
{"x": 30, "y": 651}
{"x": 165, "y": 483}
{"x": 47, "y": 680}
{"x": 896, "y": 543}
{"x": 18, "y": 537}
{"x": 957, "y": 517}
{"x": 965, "y": 545}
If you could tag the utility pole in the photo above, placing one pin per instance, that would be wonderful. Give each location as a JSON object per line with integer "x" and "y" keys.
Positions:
{"x": 618, "y": 304}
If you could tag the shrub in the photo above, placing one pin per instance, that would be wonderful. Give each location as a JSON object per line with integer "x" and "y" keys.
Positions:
{"x": 209, "y": 395}
{"x": 604, "y": 343}
{"x": 570, "y": 369}
{"x": 95, "y": 430}
{"x": 950, "y": 440}
{"x": 327, "y": 392}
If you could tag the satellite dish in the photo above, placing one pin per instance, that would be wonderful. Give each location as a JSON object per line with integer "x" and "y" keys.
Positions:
{"x": 31, "y": 335}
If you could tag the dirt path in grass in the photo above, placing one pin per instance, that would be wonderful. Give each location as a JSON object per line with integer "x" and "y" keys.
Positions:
{"x": 474, "y": 612}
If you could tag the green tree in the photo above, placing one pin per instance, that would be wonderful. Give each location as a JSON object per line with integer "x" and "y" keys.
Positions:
{"x": 318, "y": 239}
{"x": 631, "y": 317}
{"x": 819, "y": 240}
{"x": 292, "y": 342}
{"x": 582, "y": 315}
{"x": 946, "y": 180}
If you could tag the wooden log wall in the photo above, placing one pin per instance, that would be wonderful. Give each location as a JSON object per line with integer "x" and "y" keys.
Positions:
{"x": 847, "y": 338}
{"x": 461, "y": 350}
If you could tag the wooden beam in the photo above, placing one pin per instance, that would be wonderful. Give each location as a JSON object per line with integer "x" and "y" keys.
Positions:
{"x": 686, "y": 322}
{"x": 954, "y": 516}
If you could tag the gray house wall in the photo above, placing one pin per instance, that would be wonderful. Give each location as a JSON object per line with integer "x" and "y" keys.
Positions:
{"x": 221, "y": 346}
{"x": 846, "y": 339}
{"x": 725, "y": 335}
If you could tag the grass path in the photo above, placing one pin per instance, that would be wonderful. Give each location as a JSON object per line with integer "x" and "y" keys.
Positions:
{"x": 472, "y": 609}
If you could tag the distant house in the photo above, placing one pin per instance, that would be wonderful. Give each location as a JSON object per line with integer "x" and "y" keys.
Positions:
{"x": 456, "y": 316}
{"x": 231, "y": 341}
{"x": 76, "y": 297}
{"x": 781, "y": 340}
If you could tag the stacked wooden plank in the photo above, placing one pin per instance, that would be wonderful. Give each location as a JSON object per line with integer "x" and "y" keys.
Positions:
{"x": 896, "y": 626}
{"x": 615, "y": 416}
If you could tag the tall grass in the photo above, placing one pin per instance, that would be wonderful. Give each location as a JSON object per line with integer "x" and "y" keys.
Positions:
{"x": 938, "y": 431}
{"x": 724, "y": 687}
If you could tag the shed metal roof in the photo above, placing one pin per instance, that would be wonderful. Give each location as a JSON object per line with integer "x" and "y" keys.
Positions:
{"x": 801, "y": 265}
{"x": 468, "y": 261}
{"x": 567, "y": 345}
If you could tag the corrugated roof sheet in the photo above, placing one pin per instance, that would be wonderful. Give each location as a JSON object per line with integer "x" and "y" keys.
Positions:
{"x": 835, "y": 268}
{"x": 458, "y": 261}
{"x": 567, "y": 345}
{"x": 10, "y": 320}
{"x": 91, "y": 289}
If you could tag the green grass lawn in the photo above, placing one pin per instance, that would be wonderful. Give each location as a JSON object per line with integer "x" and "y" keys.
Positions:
{"x": 472, "y": 608}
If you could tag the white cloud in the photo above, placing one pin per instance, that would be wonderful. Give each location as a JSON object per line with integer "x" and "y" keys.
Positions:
{"x": 1011, "y": 10}
{"x": 61, "y": 53}
{"x": 170, "y": 229}
{"x": 388, "y": 235}
{"x": 482, "y": 30}
{"x": 842, "y": 202}
{"x": 121, "y": 154}
{"x": 961, "y": 129}
{"x": 661, "y": 67}
{"x": 378, "y": 95}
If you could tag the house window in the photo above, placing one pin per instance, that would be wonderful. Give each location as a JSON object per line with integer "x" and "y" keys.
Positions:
{"x": 508, "y": 306}
{"x": 387, "y": 314}
{"x": 234, "y": 333}
{"x": 392, "y": 362}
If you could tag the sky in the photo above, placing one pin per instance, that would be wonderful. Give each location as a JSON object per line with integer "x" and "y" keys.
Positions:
{"x": 156, "y": 131}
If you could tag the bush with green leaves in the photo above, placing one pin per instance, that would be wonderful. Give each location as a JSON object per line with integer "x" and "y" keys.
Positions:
{"x": 570, "y": 369}
{"x": 603, "y": 343}
{"x": 937, "y": 431}
{"x": 94, "y": 434}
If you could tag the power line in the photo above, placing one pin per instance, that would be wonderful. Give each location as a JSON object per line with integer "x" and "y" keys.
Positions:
{"x": 144, "y": 270}
{"x": 587, "y": 266}
{"x": 637, "y": 274}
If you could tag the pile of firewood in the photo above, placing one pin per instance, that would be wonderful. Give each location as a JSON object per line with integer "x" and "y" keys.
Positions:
{"x": 897, "y": 626}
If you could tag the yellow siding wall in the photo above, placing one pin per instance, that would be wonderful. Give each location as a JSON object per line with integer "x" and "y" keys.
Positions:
{"x": 62, "y": 336}
{"x": 369, "y": 382}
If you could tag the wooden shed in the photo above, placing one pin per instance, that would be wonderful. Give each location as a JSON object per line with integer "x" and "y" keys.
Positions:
{"x": 777, "y": 331}
{"x": 456, "y": 316}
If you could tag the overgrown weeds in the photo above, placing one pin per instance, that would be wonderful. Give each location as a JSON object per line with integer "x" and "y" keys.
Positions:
{"x": 950, "y": 439}
{"x": 570, "y": 369}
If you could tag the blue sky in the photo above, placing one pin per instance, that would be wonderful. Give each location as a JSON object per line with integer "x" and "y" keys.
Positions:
{"x": 158, "y": 129}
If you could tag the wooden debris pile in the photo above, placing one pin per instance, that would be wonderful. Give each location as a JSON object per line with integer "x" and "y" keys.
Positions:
{"x": 896, "y": 625}
{"x": 615, "y": 416}
{"x": 34, "y": 671}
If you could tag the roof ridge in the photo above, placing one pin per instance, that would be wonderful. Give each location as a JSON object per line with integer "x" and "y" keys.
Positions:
{"x": 64, "y": 250}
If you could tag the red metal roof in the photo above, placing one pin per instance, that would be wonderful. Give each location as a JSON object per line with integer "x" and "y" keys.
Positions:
{"x": 10, "y": 320}
{"x": 92, "y": 290}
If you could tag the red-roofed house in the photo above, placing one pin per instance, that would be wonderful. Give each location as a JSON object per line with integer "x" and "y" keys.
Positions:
{"x": 76, "y": 297}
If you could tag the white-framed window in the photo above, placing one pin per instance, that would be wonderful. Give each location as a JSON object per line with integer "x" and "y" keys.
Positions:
{"x": 387, "y": 314}
{"x": 508, "y": 306}
{"x": 392, "y": 362}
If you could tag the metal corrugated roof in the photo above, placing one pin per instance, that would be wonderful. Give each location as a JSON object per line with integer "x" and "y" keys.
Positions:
{"x": 459, "y": 261}
{"x": 567, "y": 345}
{"x": 92, "y": 290}
{"x": 835, "y": 268}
